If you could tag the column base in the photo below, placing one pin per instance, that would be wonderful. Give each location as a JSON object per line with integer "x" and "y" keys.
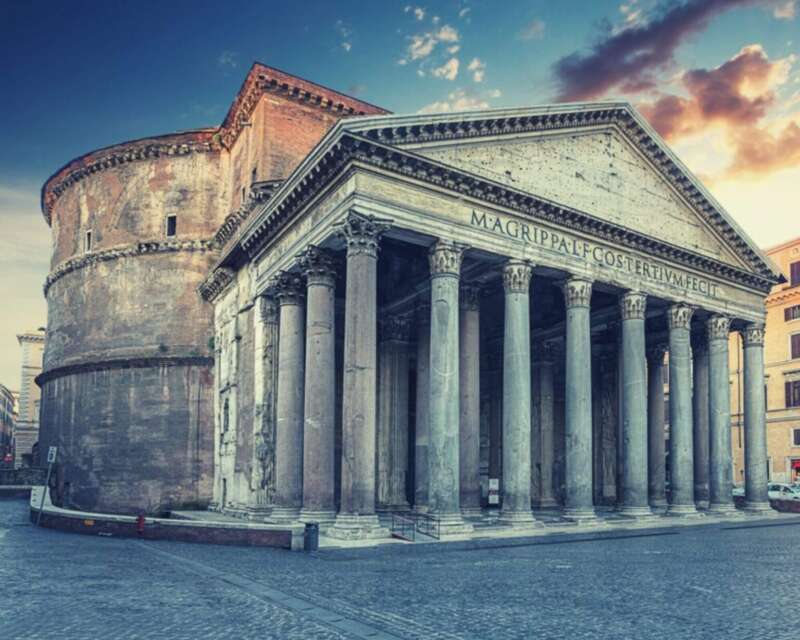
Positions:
{"x": 658, "y": 505}
{"x": 636, "y": 512}
{"x": 759, "y": 509}
{"x": 398, "y": 507}
{"x": 420, "y": 508}
{"x": 545, "y": 504}
{"x": 683, "y": 511}
{"x": 580, "y": 515}
{"x": 357, "y": 527}
{"x": 721, "y": 508}
{"x": 324, "y": 517}
{"x": 283, "y": 515}
{"x": 519, "y": 519}
{"x": 451, "y": 524}
{"x": 471, "y": 512}
{"x": 702, "y": 505}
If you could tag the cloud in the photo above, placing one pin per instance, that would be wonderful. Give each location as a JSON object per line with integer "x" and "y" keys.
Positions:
{"x": 627, "y": 59}
{"x": 419, "y": 12}
{"x": 344, "y": 32}
{"x": 447, "y": 34}
{"x": 228, "y": 59}
{"x": 461, "y": 100}
{"x": 478, "y": 69}
{"x": 347, "y": 46}
{"x": 463, "y": 13}
{"x": 533, "y": 30}
{"x": 422, "y": 45}
{"x": 449, "y": 70}
{"x": 785, "y": 9}
{"x": 759, "y": 151}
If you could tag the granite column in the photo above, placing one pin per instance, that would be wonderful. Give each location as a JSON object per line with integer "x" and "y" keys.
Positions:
{"x": 700, "y": 402}
{"x": 421, "y": 429}
{"x": 755, "y": 427}
{"x": 656, "y": 442}
{"x": 469, "y": 452}
{"x": 720, "y": 478}
{"x": 545, "y": 356}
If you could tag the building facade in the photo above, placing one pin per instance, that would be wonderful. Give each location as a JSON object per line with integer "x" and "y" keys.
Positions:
{"x": 128, "y": 379}
{"x": 8, "y": 417}
{"x": 782, "y": 373}
{"x": 432, "y": 304}
{"x": 26, "y": 430}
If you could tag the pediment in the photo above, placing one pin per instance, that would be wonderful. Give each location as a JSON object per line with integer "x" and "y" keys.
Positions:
{"x": 598, "y": 172}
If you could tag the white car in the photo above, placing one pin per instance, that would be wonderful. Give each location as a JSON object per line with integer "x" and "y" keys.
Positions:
{"x": 779, "y": 491}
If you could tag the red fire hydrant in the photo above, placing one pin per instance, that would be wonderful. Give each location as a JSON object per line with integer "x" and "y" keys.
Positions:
{"x": 140, "y": 524}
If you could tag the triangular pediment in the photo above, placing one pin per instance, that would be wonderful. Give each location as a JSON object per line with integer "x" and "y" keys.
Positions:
{"x": 597, "y": 172}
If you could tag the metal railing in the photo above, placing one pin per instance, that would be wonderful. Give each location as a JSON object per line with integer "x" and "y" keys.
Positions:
{"x": 427, "y": 525}
{"x": 404, "y": 527}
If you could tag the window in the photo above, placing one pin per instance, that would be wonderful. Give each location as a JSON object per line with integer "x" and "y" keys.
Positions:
{"x": 253, "y": 176}
{"x": 794, "y": 274}
{"x": 793, "y": 394}
{"x": 796, "y": 437}
{"x": 87, "y": 243}
{"x": 172, "y": 226}
{"x": 795, "y": 345}
{"x": 244, "y": 195}
{"x": 791, "y": 313}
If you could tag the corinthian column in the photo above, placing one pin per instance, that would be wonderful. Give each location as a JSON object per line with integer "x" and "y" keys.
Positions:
{"x": 700, "y": 418}
{"x": 288, "y": 289}
{"x": 681, "y": 463}
{"x": 720, "y": 479}
{"x": 470, "y": 403}
{"x": 755, "y": 428}
{"x": 634, "y": 406}
{"x": 266, "y": 396}
{"x": 516, "y": 509}
{"x": 357, "y": 518}
{"x": 392, "y": 454}
{"x": 443, "y": 455}
{"x": 545, "y": 357}
{"x": 656, "y": 445}
{"x": 578, "y": 410}
{"x": 421, "y": 430}
{"x": 320, "y": 390}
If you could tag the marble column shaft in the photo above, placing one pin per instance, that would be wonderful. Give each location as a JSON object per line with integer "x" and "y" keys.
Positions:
{"x": 755, "y": 427}
{"x": 517, "y": 395}
{"x": 289, "y": 289}
{"x": 679, "y": 317}
{"x": 268, "y": 354}
{"x": 357, "y": 518}
{"x": 700, "y": 404}
{"x": 470, "y": 402}
{"x": 578, "y": 409}
{"x": 634, "y": 406}
{"x": 547, "y": 498}
{"x": 421, "y": 430}
{"x": 656, "y": 442}
{"x": 320, "y": 387}
{"x": 443, "y": 443}
{"x": 720, "y": 478}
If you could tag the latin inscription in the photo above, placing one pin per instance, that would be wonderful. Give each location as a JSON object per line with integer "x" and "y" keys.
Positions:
{"x": 590, "y": 252}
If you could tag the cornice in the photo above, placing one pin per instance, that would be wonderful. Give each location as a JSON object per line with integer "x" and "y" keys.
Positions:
{"x": 171, "y": 144}
{"x": 215, "y": 283}
{"x": 123, "y": 363}
{"x": 788, "y": 294}
{"x": 350, "y": 149}
{"x": 259, "y": 194}
{"x": 125, "y": 251}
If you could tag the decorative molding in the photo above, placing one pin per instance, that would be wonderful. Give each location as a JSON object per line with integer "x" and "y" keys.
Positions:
{"x": 362, "y": 233}
{"x": 287, "y": 288}
{"x": 351, "y": 148}
{"x": 517, "y": 276}
{"x": 318, "y": 266}
{"x": 395, "y": 327}
{"x": 445, "y": 258}
{"x": 632, "y": 305}
{"x": 718, "y": 327}
{"x": 215, "y": 283}
{"x": 124, "y": 251}
{"x": 679, "y": 316}
{"x": 469, "y": 296}
{"x": 124, "y": 363}
{"x": 259, "y": 194}
{"x": 577, "y": 292}
{"x": 753, "y": 335}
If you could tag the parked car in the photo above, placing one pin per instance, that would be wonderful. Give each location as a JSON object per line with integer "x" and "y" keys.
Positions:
{"x": 780, "y": 491}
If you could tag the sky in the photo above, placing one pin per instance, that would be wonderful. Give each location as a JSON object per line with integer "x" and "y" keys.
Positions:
{"x": 719, "y": 79}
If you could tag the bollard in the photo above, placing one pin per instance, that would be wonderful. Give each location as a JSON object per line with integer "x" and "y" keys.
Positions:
{"x": 311, "y": 536}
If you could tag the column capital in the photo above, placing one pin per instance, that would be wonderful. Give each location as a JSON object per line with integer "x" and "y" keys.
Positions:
{"x": 287, "y": 288}
{"x": 318, "y": 266}
{"x": 679, "y": 316}
{"x": 517, "y": 276}
{"x": 395, "y": 327}
{"x": 577, "y": 292}
{"x": 718, "y": 327}
{"x": 753, "y": 334}
{"x": 655, "y": 353}
{"x": 268, "y": 309}
{"x": 445, "y": 258}
{"x": 632, "y": 305}
{"x": 469, "y": 296}
{"x": 362, "y": 233}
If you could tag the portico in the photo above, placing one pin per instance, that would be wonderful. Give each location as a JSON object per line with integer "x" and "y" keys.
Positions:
{"x": 491, "y": 296}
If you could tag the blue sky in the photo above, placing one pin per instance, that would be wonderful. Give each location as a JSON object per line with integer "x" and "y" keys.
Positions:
{"x": 81, "y": 75}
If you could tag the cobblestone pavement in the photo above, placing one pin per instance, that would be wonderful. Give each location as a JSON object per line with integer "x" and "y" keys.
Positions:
{"x": 731, "y": 581}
